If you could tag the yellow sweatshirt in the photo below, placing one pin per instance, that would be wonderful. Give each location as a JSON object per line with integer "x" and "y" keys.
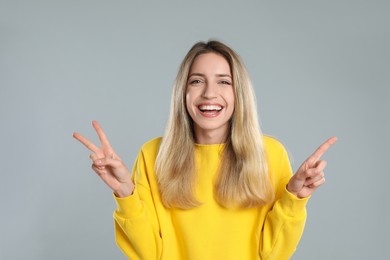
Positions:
{"x": 146, "y": 230}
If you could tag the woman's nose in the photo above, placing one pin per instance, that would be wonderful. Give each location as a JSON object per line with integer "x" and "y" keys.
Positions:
{"x": 209, "y": 91}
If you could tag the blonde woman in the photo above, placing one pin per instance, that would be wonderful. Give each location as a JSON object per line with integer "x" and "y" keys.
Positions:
{"x": 213, "y": 187}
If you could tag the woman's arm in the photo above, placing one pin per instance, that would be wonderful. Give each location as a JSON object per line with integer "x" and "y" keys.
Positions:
{"x": 137, "y": 229}
{"x": 136, "y": 225}
{"x": 284, "y": 224}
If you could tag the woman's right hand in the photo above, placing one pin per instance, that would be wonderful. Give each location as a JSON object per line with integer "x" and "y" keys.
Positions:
{"x": 107, "y": 164}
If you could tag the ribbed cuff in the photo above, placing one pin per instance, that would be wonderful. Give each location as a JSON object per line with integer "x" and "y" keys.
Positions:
{"x": 292, "y": 205}
{"x": 128, "y": 207}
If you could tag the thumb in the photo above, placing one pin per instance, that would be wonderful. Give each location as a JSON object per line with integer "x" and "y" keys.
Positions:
{"x": 300, "y": 174}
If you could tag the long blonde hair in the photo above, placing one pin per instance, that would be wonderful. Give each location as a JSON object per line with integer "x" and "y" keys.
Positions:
{"x": 243, "y": 175}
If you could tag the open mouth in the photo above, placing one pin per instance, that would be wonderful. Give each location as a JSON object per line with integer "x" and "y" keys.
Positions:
{"x": 205, "y": 108}
{"x": 210, "y": 110}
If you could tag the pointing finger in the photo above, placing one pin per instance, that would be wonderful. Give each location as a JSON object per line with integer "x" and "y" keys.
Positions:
{"x": 322, "y": 149}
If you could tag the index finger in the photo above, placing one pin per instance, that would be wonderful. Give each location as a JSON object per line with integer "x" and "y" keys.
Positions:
{"x": 322, "y": 149}
{"x": 85, "y": 142}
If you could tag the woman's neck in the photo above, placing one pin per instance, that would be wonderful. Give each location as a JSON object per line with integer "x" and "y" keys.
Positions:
{"x": 215, "y": 136}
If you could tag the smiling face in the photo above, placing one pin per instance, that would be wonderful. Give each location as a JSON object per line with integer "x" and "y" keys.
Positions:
{"x": 210, "y": 98}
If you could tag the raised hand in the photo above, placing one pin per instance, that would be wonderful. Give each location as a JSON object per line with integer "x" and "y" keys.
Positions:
{"x": 107, "y": 164}
{"x": 310, "y": 175}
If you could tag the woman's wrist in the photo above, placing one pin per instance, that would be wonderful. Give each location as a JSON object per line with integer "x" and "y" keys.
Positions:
{"x": 126, "y": 191}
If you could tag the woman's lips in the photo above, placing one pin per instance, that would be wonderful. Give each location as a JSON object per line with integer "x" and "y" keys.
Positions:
{"x": 210, "y": 110}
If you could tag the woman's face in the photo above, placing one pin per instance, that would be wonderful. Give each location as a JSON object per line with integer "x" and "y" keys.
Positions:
{"x": 210, "y": 98}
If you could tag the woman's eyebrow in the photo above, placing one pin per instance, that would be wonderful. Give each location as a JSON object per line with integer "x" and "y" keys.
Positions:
{"x": 203, "y": 75}
{"x": 196, "y": 74}
{"x": 224, "y": 75}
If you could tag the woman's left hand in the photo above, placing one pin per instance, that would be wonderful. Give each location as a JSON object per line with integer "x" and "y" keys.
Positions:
{"x": 310, "y": 175}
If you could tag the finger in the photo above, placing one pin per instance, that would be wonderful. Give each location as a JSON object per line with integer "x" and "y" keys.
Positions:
{"x": 314, "y": 179}
{"x": 322, "y": 149}
{"x": 85, "y": 142}
{"x": 108, "y": 162}
{"x": 317, "y": 183}
{"x": 102, "y": 136}
{"x": 305, "y": 171}
{"x": 308, "y": 174}
{"x": 93, "y": 156}
{"x": 320, "y": 165}
{"x": 100, "y": 170}
{"x": 312, "y": 173}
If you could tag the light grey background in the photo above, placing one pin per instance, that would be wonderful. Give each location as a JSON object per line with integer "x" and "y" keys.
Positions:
{"x": 320, "y": 68}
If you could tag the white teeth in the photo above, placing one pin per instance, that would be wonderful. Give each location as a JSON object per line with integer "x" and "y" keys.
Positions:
{"x": 210, "y": 107}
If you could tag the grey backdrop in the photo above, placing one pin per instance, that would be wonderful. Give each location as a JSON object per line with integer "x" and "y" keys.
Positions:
{"x": 320, "y": 68}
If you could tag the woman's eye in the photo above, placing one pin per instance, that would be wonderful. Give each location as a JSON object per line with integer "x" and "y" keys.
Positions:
{"x": 225, "y": 82}
{"x": 195, "y": 81}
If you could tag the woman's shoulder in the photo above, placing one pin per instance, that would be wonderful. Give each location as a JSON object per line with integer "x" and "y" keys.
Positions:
{"x": 273, "y": 145}
{"x": 278, "y": 158}
{"x": 152, "y": 145}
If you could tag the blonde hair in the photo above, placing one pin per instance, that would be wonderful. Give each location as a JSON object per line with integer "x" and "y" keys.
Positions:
{"x": 243, "y": 176}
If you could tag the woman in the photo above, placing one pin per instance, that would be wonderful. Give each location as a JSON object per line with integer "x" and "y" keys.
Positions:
{"x": 213, "y": 187}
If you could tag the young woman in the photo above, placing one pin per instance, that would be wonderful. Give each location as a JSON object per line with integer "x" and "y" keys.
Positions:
{"x": 213, "y": 187}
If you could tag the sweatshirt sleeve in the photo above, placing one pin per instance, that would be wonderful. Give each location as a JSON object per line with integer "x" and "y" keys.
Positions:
{"x": 137, "y": 231}
{"x": 284, "y": 223}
